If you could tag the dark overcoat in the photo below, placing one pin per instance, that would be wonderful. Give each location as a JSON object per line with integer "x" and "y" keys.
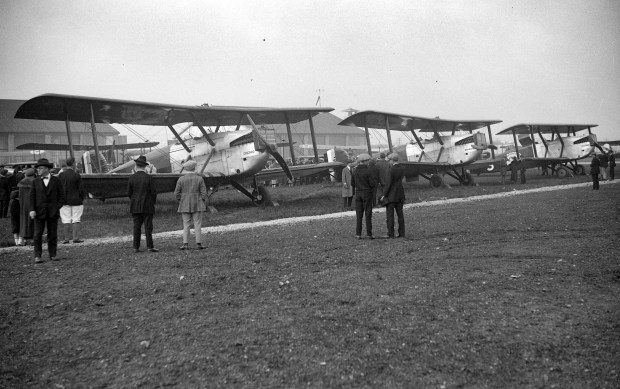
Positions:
{"x": 142, "y": 193}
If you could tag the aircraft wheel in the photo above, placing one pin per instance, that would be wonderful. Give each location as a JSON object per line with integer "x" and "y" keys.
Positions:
{"x": 580, "y": 170}
{"x": 467, "y": 179}
{"x": 562, "y": 172}
{"x": 436, "y": 181}
{"x": 262, "y": 196}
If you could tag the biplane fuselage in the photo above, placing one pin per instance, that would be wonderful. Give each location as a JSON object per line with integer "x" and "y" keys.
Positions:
{"x": 452, "y": 150}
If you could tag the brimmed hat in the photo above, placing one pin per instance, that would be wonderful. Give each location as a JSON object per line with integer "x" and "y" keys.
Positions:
{"x": 190, "y": 165}
{"x": 393, "y": 157}
{"x": 44, "y": 162}
{"x": 363, "y": 158}
{"x": 141, "y": 161}
{"x": 3, "y": 172}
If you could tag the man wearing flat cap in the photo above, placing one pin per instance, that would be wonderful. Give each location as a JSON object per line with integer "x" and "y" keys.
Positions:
{"x": 142, "y": 194}
{"x": 191, "y": 193}
{"x": 383, "y": 168}
{"x": 46, "y": 199}
{"x": 364, "y": 183}
{"x": 394, "y": 197}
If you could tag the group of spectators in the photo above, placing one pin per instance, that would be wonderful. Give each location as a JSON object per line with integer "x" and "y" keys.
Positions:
{"x": 372, "y": 182}
{"x": 38, "y": 199}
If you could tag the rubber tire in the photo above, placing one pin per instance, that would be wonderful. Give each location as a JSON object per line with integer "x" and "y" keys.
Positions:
{"x": 436, "y": 181}
{"x": 580, "y": 170}
{"x": 562, "y": 172}
{"x": 467, "y": 179}
{"x": 265, "y": 196}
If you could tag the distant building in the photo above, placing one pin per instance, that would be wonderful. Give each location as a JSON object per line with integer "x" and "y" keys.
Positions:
{"x": 16, "y": 132}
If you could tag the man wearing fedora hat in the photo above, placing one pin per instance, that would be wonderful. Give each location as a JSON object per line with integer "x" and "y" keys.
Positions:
{"x": 46, "y": 199}
{"x": 142, "y": 194}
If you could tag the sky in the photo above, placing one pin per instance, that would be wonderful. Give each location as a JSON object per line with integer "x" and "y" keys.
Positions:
{"x": 523, "y": 61}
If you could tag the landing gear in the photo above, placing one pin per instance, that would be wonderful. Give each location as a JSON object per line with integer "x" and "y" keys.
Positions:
{"x": 563, "y": 172}
{"x": 580, "y": 170}
{"x": 435, "y": 180}
{"x": 261, "y": 196}
{"x": 467, "y": 179}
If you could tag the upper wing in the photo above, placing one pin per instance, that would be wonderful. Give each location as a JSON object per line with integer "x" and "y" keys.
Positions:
{"x": 397, "y": 122}
{"x": 78, "y": 109}
{"x": 524, "y": 129}
{"x": 57, "y": 147}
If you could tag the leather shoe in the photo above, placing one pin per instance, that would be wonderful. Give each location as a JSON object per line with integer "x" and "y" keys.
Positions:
{"x": 37, "y": 260}
{"x": 184, "y": 247}
{"x": 53, "y": 258}
{"x": 65, "y": 242}
{"x": 388, "y": 237}
{"x": 137, "y": 250}
{"x": 370, "y": 237}
{"x": 153, "y": 250}
{"x": 358, "y": 237}
{"x": 77, "y": 241}
{"x": 199, "y": 246}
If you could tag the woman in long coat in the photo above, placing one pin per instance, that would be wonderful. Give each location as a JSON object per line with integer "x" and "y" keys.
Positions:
{"x": 26, "y": 224}
{"x": 347, "y": 188}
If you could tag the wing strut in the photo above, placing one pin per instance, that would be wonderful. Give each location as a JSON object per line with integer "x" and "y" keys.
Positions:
{"x": 181, "y": 141}
{"x": 94, "y": 131}
{"x": 540, "y": 135}
{"x": 204, "y": 165}
{"x": 514, "y": 138}
{"x": 533, "y": 141}
{"x": 316, "y": 152}
{"x": 387, "y": 131}
{"x": 561, "y": 142}
{"x": 491, "y": 140}
{"x": 367, "y": 135}
{"x": 290, "y": 138}
{"x": 68, "y": 126}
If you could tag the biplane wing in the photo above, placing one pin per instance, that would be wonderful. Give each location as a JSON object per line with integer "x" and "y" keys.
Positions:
{"x": 231, "y": 159}
{"x": 59, "y": 147}
{"x": 398, "y": 122}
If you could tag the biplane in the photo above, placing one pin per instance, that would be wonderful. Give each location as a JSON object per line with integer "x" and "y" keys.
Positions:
{"x": 430, "y": 158}
{"x": 560, "y": 153}
{"x": 224, "y": 157}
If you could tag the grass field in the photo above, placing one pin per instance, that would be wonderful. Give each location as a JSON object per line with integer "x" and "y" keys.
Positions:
{"x": 516, "y": 291}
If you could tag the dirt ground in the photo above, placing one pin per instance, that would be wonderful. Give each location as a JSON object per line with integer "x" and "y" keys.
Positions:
{"x": 517, "y": 291}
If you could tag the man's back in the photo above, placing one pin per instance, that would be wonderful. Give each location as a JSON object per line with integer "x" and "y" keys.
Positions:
{"x": 72, "y": 187}
{"x": 141, "y": 190}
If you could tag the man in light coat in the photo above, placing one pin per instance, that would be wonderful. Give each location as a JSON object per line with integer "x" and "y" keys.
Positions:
{"x": 347, "y": 188}
{"x": 191, "y": 193}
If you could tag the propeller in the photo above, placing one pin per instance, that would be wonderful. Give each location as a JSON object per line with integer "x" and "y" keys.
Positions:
{"x": 261, "y": 144}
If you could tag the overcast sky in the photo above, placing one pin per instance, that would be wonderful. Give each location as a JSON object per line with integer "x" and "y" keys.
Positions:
{"x": 533, "y": 61}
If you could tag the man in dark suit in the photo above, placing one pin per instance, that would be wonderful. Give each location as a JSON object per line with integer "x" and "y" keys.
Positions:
{"x": 143, "y": 194}
{"x": 394, "y": 194}
{"x": 364, "y": 183}
{"x": 46, "y": 199}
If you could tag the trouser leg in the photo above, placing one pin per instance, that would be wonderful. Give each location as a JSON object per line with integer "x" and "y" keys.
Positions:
{"x": 401, "y": 219}
{"x": 187, "y": 222}
{"x": 39, "y": 226}
{"x": 198, "y": 226}
{"x": 52, "y": 236}
{"x": 66, "y": 231}
{"x": 148, "y": 230}
{"x": 389, "y": 215}
{"x": 359, "y": 213}
{"x": 76, "y": 231}
{"x": 138, "y": 218}
{"x": 368, "y": 211}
